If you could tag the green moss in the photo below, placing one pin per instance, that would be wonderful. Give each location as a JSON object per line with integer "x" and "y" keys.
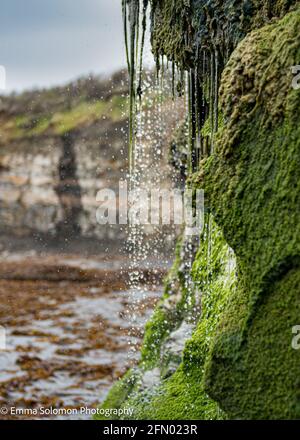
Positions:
{"x": 172, "y": 30}
{"x": 120, "y": 392}
{"x": 252, "y": 188}
{"x": 182, "y": 29}
{"x": 179, "y": 398}
{"x": 157, "y": 329}
{"x": 182, "y": 395}
{"x": 254, "y": 375}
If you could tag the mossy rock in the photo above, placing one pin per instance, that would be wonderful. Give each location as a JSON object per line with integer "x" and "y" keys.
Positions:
{"x": 180, "y": 28}
{"x": 181, "y": 394}
{"x": 239, "y": 362}
{"x": 253, "y": 190}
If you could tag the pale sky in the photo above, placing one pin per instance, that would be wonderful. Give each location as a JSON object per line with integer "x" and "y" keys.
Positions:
{"x": 50, "y": 42}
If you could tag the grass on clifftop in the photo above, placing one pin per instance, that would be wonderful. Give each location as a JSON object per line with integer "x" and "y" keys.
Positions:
{"x": 61, "y": 122}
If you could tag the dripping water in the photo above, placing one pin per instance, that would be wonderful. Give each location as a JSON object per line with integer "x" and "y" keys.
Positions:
{"x": 149, "y": 128}
{"x": 200, "y": 86}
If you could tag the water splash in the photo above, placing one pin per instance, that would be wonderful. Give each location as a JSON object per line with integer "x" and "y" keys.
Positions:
{"x": 197, "y": 87}
{"x": 154, "y": 114}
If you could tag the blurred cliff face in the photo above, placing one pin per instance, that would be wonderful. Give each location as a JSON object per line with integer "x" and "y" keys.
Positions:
{"x": 58, "y": 148}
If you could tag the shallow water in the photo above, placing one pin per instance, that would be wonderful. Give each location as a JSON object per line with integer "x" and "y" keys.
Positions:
{"x": 67, "y": 352}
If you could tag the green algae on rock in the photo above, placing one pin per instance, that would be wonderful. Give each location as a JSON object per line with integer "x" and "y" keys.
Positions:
{"x": 170, "y": 380}
{"x": 252, "y": 188}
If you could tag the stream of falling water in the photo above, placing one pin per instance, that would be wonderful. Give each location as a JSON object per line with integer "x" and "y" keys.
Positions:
{"x": 151, "y": 109}
{"x": 147, "y": 128}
